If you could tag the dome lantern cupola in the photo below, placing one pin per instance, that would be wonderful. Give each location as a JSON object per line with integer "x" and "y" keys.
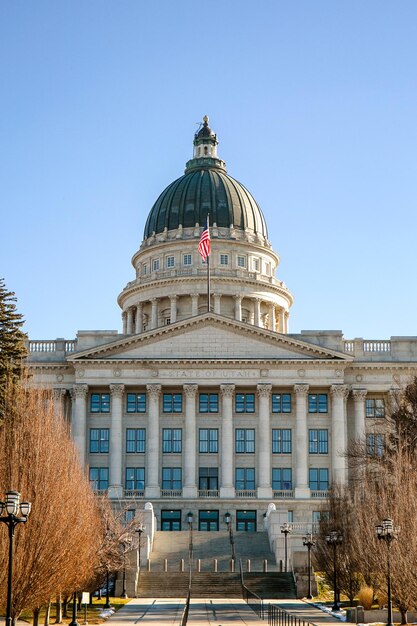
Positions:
{"x": 205, "y": 141}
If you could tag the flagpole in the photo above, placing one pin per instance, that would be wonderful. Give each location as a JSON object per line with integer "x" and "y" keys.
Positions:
{"x": 208, "y": 271}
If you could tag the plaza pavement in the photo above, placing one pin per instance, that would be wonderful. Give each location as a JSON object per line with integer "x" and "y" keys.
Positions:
{"x": 209, "y": 612}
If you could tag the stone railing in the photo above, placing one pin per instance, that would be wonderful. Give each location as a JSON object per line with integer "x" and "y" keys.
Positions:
{"x": 368, "y": 346}
{"x": 134, "y": 493}
{"x": 53, "y": 345}
{"x": 320, "y": 494}
{"x": 171, "y": 493}
{"x": 283, "y": 494}
{"x": 246, "y": 493}
{"x": 208, "y": 493}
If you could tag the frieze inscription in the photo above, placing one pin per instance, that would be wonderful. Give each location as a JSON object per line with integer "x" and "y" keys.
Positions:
{"x": 194, "y": 374}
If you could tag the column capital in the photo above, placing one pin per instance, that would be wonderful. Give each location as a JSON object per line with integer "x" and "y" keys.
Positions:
{"x": 227, "y": 390}
{"x": 359, "y": 394}
{"x": 80, "y": 391}
{"x": 154, "y": 390}
{"x": 301, "y": 389}
{"x": 264, "y": 390}
{"x": 154, "y": 300}
{"x": 59, "y": 393}
{"x": 139, "y": 306}
{"x": 238, "y": 297}
{"x": 117, "y": 390}
{"x": 173, "y": 298}
{"x": 339, "y": 391}
{"x": 190, "y": 389}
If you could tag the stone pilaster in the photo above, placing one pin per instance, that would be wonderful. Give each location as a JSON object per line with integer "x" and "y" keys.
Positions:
{"x": 227, "y": 489}
{"x": 302, "y": 489}
{"x": 217, "y": 297}
{"x": 238, "y": 308}
{"x": 129, "y": 316}
{"x": 257, "y": 311}
{"x": 154, "y": 313}
{"x": 359, "y": 396}
{"x": 124, "y": 321}
{"x": 115, "y": 459}
{"x": 79, "y": 422}
{"x": 264, "y": 445}
{"x": 173, "y": 316}
{"x": 139, "y": 319}
{"x": 59, "y": 395}
{"x": 339, "y": 466}
{"x": 153, "y": 489}
{"x": 194, "y": 304}
{"x": 272, "y": 320}
{"x": 190, "y": 449}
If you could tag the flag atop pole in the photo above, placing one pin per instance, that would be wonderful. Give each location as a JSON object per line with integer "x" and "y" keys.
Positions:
{"x": 204, "y": 243}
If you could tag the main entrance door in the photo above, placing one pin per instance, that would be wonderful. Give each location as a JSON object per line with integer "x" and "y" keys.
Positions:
{"x": 208, "y": 520}
{"x": 170, "y": 520}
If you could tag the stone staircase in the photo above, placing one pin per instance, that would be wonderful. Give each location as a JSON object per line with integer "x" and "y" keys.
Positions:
{"x": 207, "y": 546}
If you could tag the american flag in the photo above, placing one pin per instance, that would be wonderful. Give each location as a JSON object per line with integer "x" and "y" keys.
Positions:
{"x": 204, "y": 243}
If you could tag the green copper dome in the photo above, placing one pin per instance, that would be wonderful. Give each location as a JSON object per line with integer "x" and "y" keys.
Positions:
{"x": 205, "y": 188}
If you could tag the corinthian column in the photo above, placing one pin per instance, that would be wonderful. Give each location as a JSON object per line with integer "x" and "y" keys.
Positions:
{"x": 173, "y": 309}
{"x": 238, "y": 308}
{"x": 359, "y": 396}
{"x": 80, "y": 420}
{"x": 257, "y": 311}
{"x": 190, "y": 485}
{"x": 153, "y": 489}
{"x": 129, "y": 322}
{"x": 227, "y": 489}
{"x": 194, "y": 304}
{"x": 302, "y": 489}
{"x": 115, "y": 484}
{"x": 264, "y": 447}
{"x": 217, "y": 297}
{"x": 154, "y": 313}
{"x": 59, "y": 395}
{"x": 339, "y": 470}
{"x": 139, "y": 318}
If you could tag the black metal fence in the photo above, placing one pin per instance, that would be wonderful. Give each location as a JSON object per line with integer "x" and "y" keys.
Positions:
{"x": 279, "y": 617}
{"x": 253, "y": 601}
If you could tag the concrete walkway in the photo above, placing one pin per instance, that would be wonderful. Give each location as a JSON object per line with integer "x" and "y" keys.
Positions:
{"x": 209, "y": 612}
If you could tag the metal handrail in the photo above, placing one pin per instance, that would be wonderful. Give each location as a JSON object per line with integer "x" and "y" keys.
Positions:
{"x": 280, "y": 617}
{"x": 251, "y": 598}
{"x": 184, "y": 618}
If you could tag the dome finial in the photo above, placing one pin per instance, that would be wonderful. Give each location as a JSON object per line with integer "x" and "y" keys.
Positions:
{"x": 206, "y": 120}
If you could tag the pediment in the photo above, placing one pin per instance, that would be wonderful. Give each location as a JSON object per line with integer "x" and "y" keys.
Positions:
{"x": 209, "y": 336}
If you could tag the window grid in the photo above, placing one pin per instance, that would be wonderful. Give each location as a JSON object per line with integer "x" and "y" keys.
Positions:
{"x": 155, "y": 265}
{"x": 99, "y": 440}
{"x": 318, "y": 441}
{"x": 375, "y": 407}
{"x": 281, "y": 441}
{"x": 172, "y": 440}
{"x": 282, "y": 478}
{"x": 172, "y": 403}
{"x": 318, "y": 479}
{"x": 245, "y": 478}
{"x": 99, "y": 478}
{"x": 375, "y": 444}
{"x": 135, "y": 440}
{"x": 241, "y": 261}
{"x": 244, "y": 440}
{"x": 186, "y": 259}
{"x": 224, "y": 259}
{"x": 170, "y": 261}
{"x": 281, "y": 403}
{"x": 245, "y": 403}
{"x": 172, "y": 478}
{"x": 317, "y": 403}
{"x": 100, "y": 403}
{"x": 209, "y": 440}
{"x": 136, "y": 403}
{"x": 209, "y": 403}
{"x": 135, "y": 478}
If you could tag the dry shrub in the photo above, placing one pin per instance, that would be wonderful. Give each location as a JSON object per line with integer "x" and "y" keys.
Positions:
{"x": 382, "y": 599}
{"x": 365, "y": 597}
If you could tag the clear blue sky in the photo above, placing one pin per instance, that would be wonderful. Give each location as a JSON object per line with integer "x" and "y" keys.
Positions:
{"x": 314, "y": 104}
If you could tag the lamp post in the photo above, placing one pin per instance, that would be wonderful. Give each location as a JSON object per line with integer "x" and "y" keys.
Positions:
{"x": 228, "y": 521}
{"x": 286, "y": 530}
{"x": 388, "y": 532}
{"x": 140, "y": 529}
{"x": 74, "y": 622}
{"x": 107, "y": 603}
{"x": 335, "y": 538}
{"x": 190, "y": 527}
{"x": 124, "y": 594}
{"x": 11, "y": 507}
{"x": 309, "y": 543}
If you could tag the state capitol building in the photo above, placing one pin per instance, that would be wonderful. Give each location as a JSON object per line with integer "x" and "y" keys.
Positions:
{"x": 215, "y": 409}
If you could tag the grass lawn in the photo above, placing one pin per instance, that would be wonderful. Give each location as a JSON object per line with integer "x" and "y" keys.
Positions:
{"x": 93, "y": 611}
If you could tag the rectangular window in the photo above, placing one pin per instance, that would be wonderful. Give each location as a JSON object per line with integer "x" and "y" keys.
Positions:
{"x": 244, "y": 440}
{"x": 128, "y": 516}
{"x": 209, "y": 403}
{"x": 100, "y": 403}
{"x": 317, "y": 403}
{"x": 281, "y": 478}
{"x": 318, "y": 478}
{"x": 186, "y": 259}
{"x": 224, "y": 259}
{"x": 281, "y": 441}
{"x": 375, "y": 407}
{"x": 144, "y": 269}
{"x": 281, "y": 403}
{"x": 170, "y": 261}
{"x": 155, "y": 265}
{"x": 99, "y": 478}
{"x": 99, "y": 440}
{"x": 208, "y": 478}
{"x": 136, "y": 403}
{"x": 135, "y": 440}
{"x": 256, "y": 265}
{"x": 375, "y": 444}
{"x": 241, "y": 261}
{"x": 318, "y": 441}
{"x": 317, "y": 516}
{"x": 245, "y": 403}
{"x": 135, "y": 478}
{"x": 246, "y": 521}
{"x": 171, "y": 478}
{"x": 245, "y": 478}
{"x": 209, "y": 440}
{"x": 172, "y": 403}
{"x": 172, "y": 440}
